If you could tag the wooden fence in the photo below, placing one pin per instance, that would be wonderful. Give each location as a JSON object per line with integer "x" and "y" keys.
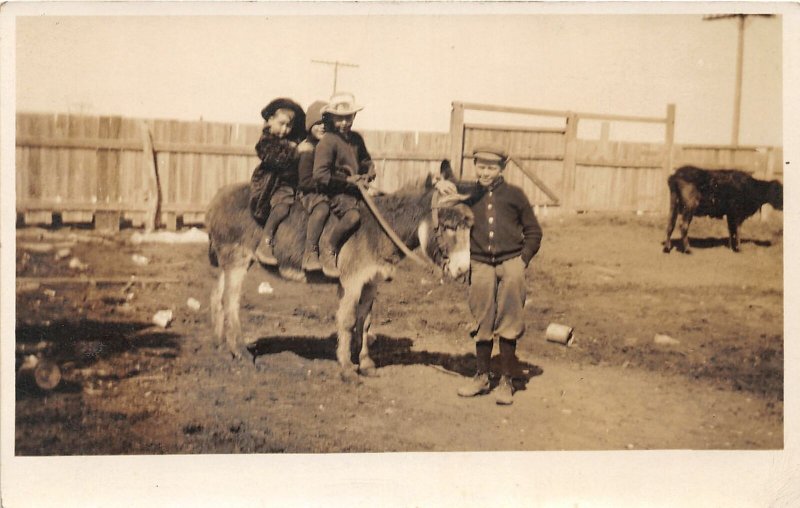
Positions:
{"x": 109, "y": 169}
{"x": 596, "y": 174}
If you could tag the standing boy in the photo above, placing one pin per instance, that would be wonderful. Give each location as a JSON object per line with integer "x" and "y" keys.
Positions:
{"x": 503, "y": 240}
{"x": 273, "y": 184}
{"x": 340, "y": 162}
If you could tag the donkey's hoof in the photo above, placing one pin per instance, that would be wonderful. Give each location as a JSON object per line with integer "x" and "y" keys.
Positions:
{"x": 367, "y": 368}
{"x": 350, "y": 375}
{"x": 368, "y": 371}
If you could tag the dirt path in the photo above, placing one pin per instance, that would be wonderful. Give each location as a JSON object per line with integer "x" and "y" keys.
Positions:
{"x": 171, "y": 391}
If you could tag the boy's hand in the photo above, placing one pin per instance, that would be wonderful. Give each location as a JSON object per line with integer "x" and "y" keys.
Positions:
{"x": 356, "y": 179}
{"x": 446, "y": 187}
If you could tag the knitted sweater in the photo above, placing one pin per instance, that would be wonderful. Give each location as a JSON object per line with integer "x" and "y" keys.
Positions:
{"x": 336, "y": 158}
{"x": 505, "y": 225}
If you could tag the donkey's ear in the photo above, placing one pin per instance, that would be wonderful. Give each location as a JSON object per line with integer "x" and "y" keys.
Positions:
{"x": 446, "y": 170}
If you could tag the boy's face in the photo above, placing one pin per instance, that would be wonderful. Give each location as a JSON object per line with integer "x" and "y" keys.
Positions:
{"x": 280, "y": 123}
{"x": 488, "y": 171}
{"x": 342, "y": 123}
{"x": 317, "y": 130}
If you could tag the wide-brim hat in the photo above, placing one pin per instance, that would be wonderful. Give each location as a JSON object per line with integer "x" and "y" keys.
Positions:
{"x": 490, "y": 153}
{"x": 314, "y": 114}
{"x": 343, "y": 104}
{"x": 299, "y": 122}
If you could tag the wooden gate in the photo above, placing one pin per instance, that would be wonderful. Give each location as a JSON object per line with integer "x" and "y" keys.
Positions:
{"x": 556, "y": 168}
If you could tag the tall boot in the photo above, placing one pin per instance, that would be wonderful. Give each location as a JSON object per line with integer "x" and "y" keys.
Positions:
{"x": 508, "y": 365}
{"x": 316, "y": 222}
{"x": 341, "y": 232}
{"x": 264, "y": 250}
{"x": 479, "y": 384}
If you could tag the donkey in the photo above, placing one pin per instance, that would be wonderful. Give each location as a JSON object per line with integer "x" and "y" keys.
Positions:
{"x": 367, "y": 258}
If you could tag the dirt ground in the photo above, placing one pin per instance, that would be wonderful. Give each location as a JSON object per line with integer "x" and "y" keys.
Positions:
{"x": 130, "y": 387}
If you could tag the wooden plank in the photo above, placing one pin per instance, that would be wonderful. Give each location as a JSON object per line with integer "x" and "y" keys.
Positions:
{"x": 669, "y": 141}
{"x": 77, "y": 217}
{"x": 153, "y": 196}
{"x": 38, "y": 218}
{"x": 570, "y": 149}
{"x": 515, "y": 128}
{"x": 133, "y": 145}
{"x": 457, "y": 138}
{"x": 511, "y": 109}
{"x": 107, "y": 221}
{"x": 621, "y": 118}
{"x": 538, "y": 181}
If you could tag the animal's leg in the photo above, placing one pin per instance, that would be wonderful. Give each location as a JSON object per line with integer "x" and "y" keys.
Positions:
{"x": 733, "y": 231}
{"x": 686, "y": 220}
{"x": 345, "y": 322}
{"x": 217, "y": 310}
{"x": 234, "y": 277}
{"x": 363, "y": 321}
{"x": 673, "y": 216}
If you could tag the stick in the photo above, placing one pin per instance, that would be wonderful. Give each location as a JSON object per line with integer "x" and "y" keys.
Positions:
{"x": 390, "y": 232}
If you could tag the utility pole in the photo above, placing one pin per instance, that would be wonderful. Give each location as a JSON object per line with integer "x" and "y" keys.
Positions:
{"x": 737, "y": 99}
{"x": 336, "y": 64}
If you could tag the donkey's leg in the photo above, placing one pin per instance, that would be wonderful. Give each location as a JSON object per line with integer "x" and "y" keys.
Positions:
{"x": 345, "y": 322}
{"x": 217, "y": 310}
{"x": 234, "y": 277}
{"x": 363, "y": 321}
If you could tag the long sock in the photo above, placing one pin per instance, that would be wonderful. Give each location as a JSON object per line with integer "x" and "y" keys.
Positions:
{"x": 483, "y": 354}
{"x": 347, "y": 224}
{"x": 276, "y": 216}
{"x": 508, "y": 357}
{"x": 316, "y": 222}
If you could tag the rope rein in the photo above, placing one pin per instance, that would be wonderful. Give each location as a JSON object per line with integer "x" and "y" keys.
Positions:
{"x": 425, "y": 262}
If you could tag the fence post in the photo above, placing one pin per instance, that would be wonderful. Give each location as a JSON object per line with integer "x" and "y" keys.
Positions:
{"x": 669, "y": 143}
{"x": 570, "y": 157}
{"x": 150, "y": 169}
{"x": 457, "y": 138}
{"x": 768, "y": 173}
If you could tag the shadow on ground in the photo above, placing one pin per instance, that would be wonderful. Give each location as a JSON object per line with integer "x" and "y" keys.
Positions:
{"x": 387, "y": 351}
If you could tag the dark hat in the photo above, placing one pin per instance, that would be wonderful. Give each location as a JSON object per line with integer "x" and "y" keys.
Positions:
{"x": 490, "y": 153}
{"x": 297, "y": 133}
{"x": 314, "y": 114}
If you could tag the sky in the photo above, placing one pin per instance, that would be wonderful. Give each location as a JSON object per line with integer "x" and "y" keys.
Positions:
{"x": 410, "y": 67}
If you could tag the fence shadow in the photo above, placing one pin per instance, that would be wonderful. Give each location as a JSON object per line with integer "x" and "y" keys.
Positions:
{"x": 386, "y": 351}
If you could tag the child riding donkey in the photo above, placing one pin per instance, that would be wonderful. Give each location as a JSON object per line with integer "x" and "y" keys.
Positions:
{"x": 341, "y": 161}
{"x": 274, "y": 182}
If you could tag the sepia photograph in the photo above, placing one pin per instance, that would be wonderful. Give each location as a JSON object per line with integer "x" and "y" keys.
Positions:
{"x": 398, "y": 254}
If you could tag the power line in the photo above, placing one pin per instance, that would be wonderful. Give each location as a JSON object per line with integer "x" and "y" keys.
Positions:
{"x": 336, "y": 64}
{"x": 737, "y": 98}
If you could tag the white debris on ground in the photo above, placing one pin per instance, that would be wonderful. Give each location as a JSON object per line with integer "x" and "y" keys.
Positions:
{"x": 665, "y": 340}
{"x": 77, "y": 264}
{"x": 265, "y": 288}
{"x": 193, "y": 304}
{"x": 162, "y": 318}
{"x": 63, "y": 253}
{"x": 140, "y": 260}
{"x": 192, "y": 235}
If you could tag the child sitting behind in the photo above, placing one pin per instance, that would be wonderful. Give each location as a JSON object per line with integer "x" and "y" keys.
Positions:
{"x": 316, "y": 204}
{"x": 273, "y": 184}
{"x": 340, "y": 162}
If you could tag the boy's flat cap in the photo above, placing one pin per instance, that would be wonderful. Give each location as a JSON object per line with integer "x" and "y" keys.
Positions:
{"x": 489, "y": 152}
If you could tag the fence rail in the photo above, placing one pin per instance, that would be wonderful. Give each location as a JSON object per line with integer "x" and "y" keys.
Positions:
{"x": 109, "y": 168}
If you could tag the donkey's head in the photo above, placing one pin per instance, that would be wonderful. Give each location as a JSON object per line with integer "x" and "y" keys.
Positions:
{"x": 445, "y": 235}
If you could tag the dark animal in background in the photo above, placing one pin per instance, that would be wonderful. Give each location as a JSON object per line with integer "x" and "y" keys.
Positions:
{"x": 367, "y": 258}
{"x": 717, "y": 193}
